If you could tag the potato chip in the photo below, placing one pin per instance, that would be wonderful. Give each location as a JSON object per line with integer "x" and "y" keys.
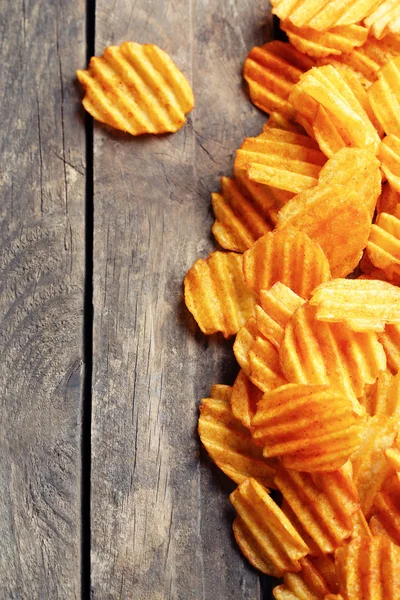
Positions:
{"x": 136, "y": 88}
{"x": 370, "y": 465}
{"x": 271, "y": 71}
{"x": 333, "y": 111}
{"x": 384, "y": 19}
{"x": 281, "y": 159}
{"x": 317, "y": 353}
{"x": 384, "y": 97}
{"x": 277, "y": 306}
{"x": 323, "y": 504}
{"x": 389, "y": 201}
{"x": 307, "y": 584}
{"x": 287, "y": 256}
{"x": 244, "y": 399}
{"x": 245, "y": 338}
{"x": 393, "y": 455}
{"x": 383, "y": 248}
{"x": 383, "y": 397}
{"x": 390, "y": 340}
{"x": 278, "y": 121}
{"x": 216, "y": 294}
{"x": 389, "y": 155}
{"x": 334, "y": 217}
{"x": 362, "y": 305}
{"x": 338, "y": 40}
{"x": 322, "y": 15}
{"x": 386, "y": 510}
{"x": 264, "y": 534}
{"x": 229, "y": 444}
{"x": 221, "y": 392}
{"x": 310, "y": 428}
{"x": 369, "y": 569}
{"x": 265, "y": 368}
{"x": 239, "y": 220}
{"x": 360, "y": 526}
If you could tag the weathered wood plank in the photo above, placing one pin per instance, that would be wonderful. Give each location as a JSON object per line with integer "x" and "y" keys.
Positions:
{"x": 42, "y": 191}
{"x": 161, "y": 520}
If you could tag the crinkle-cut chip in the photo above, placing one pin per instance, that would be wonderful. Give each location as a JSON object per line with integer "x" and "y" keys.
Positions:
{"x": 221, "y": 392}
{"x": 307, "y": 584}
{"x": 278, "y": 121}
{"x": 323, "y": 504}
{"x": 357, "y": 169}
{"x": 239, "y": 221}
{"x": 281, "y": 159}
{"x": 335, "y": 218}
{"x": 245, "y": 338}
{"x": 216, "y": 294}
{"x": 370, "y": 465}
{"x": 369, "y": 569}
{"x": 229, "y": 444}
{"x": 287, "y": 256}
{"x": 271, "y": 71}
{"x": 325, "y": 565}
{"x": 393, "y": 456}
{"x": 338, "y": 40}
{"x": 386, "y": 510}
{"x": 322, "y": 15}
{"x": 389, "y": 201}
{"x": 360, "y": 525}
{"x": 244, "y": 399}
{"x": 266, "y": 199}
{"x": 389, "y": 155}
{"x": 264, "y": 534}
{"x": 311, "y": 428}
{"x": 384, "y": 97}
{"x": 327, "y": 102}
{"x": 383, "y": 397}
{"x": 390, "y": 340}
{"x": 383, "y": 248}
{"x": 362, "y": 305}
{"x": 384, "y": 19}
{"x": 136, "y": 88}
{"x": 277, "y": 306}
{"x": 314, "y": 352}
{"x": 265, "y": 368}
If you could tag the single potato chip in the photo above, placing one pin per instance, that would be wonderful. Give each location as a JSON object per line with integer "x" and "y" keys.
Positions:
{"x": 277, "y": 306}
{"x": 288, "y": 256}
{"x": 216, "y": 294}
{"x": 318, "y": 353}
{"x": 244, "y": 399}
{"x": 334, "y": 217}
{"x": 264, "y": 534}
{"x": 383, "y": 397}
{"x": 383, "y": 248}
{"x": 136, "y": 88}
{"x": 278, "y": 121}
{"x": 229, "y": 444}
{"x": 386, "y": 510}
{"x": 390, "y": 340}
{"x": 245, "y": 338}
{"x": 308, "y": 584}
{"x": 338, "y": 40}
{"x": 384, "y": 97}
{"x": 271, "y": 71}
{"x": 385, "y": 19}
{"x": 389, "y": 201}
{"x": 265, "y": 368}
{"x": 389, "y": 155}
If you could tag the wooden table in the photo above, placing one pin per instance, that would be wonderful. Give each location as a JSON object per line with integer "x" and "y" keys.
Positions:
{"x": 105, "y": 492}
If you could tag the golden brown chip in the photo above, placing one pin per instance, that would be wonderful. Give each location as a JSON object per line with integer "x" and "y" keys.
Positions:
{"x": 271, "y": 71}
{"x": 385, "y": 19}
{"x": 316, "y": 353}
{"x": 287, "y": 256}
{"x": 244, "y": 340}
{"x": 390, "y": 340}
{"x": 221, "y": 392}
{"x": 308, "y": 584}
{"x": 335, "y": 218}
{"x": 323, "y": 504}
{"x": 338, "y": 40}
{"x": 322, "y": 15}
{"x": 277, "y": 306}
{"x": 265, "y": 368}
{"x": 311, "y": 428}
{"x": 389, "y": 155}
{"x": 229, "y": 444}
{"x": 244, "y": 399}
{"x": 278, "y": 121}
{"x": 216, "y": 294}
{"x": 383, "y": 248}
{"x": 386, "y": 510}
{"x": 264, "y": 534}
{"x": 384, "y": 96}
{"x": 362, "y": 305}
{"x": 383, "y": 397}
{"x": 389, "y": 201}
{"x": 136, "y": 88}
{"x": 369, "y": 569}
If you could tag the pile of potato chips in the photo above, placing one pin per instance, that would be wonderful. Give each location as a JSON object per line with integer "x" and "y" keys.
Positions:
{"x": 314, "y": 411}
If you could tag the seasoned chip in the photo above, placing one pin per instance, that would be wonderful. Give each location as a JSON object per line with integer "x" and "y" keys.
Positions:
{"x": 311, "y": 428}
{"x": 323, "y": 504}
{"x": 390, "y": 340}
{"x": 245, "y": 338}
{"x": 335, "y": 218}
{"x": 314, "y": 352}
{"x": 369, "y": 569}
{"x": 277, "y": 306}
{"x": 383, "y": 397}
{"x": 264, "y": 534}
{"x": 389, "y": 155}
{"x": 326, "y": 102}
{"x": 229, "y": 444}
{"x": 383, "y": 248}
{"x": 271, "y": 71}
{"x": 384, "y": 96}
{"x": 244, "y": 399}
{"x": 136, "y": 88}
{"x": 386, "y": 510}
{"x": 389, "y": 201}
{"x": 278, "y": 121}
{"x": 308, "y": 584}
{"x": 338, "y": 40}
{"x": 265, "y": 368}
{"x": 384, "y": 19}
{"x": 221, "y": 392}
{"x": 287, "y": 256}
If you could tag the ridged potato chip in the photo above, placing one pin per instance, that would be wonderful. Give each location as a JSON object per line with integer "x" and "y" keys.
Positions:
{"x": 265, "y": 368}
{"x": 288, "y": 256}
{"x": 338, "y": 40}
{"x": 216, "y": 294}
{"x": 308, "y": 584}
{"x": 310, "y": 428}
{"x": 244, "y": 399}
{"x": 271, "y": 71}
{"x": 389, "y": 155}
{"x": 136, "y": 88}
{"x": 383, "y": 397}
{"x": 221, "y": 392}
{"x": 390, "y": 340}
{"x": 384, "y": 97}
{"x": 362, "y": 305}
{"x": 383, "y": 248}
{"x": 318, "y": 353}
{"x": 385, "y": 19}
{"x": 278, "y": 121}
{"x": 389, "y": 201}
{"x": 264, "y": 534}
{"x": 229, "y": 444}
{"x": 245, "y": 338}
{"x": 277, "y": 306}
{"x": 386, "y": 510}
{"x": 335, "y": 218}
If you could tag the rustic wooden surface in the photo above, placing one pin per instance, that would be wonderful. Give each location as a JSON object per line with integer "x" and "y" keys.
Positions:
{"x": 42, "y": 190}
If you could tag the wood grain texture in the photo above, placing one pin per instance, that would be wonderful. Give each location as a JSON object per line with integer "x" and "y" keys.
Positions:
{"x": 161, "y": 519}
{"x": 42, "y": 189}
